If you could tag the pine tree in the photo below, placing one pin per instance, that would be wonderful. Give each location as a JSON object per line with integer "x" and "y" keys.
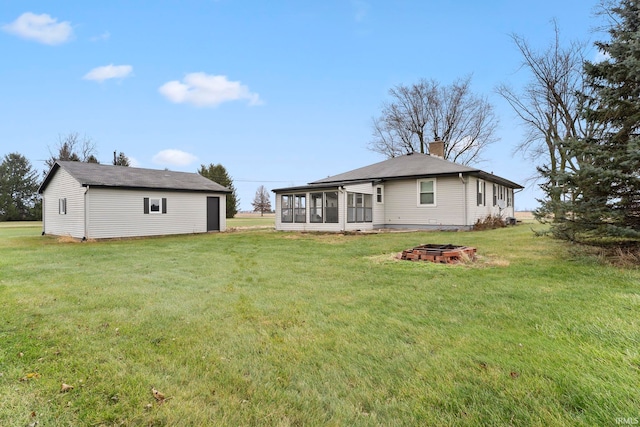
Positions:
{"x": 217, "y": 173}
{"x": 18, "y": 189}
{"x": 606, "y": 189}
{"x": 121, "y": 159}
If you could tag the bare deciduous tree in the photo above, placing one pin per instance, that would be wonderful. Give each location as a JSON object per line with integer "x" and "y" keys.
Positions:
{"x": 261, "y": 202}
{"x": 427, "y": 111}
{"x": 72, "y": 147}
{"x": 550, "y": 107}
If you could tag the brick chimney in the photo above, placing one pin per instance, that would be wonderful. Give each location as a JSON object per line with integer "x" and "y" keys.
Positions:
{"x": 436, "y": 149}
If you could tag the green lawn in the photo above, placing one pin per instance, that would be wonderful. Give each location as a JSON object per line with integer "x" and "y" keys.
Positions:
{"x": 267, "y": 328}
{"x": 251, "y": 221}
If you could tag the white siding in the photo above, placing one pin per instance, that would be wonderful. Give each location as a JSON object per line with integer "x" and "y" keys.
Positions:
{"x": 455, "y": 206}
{"x": 480, "y": 212}
{"x": 401, "y": 206}
{"x": 120, "y": 213}
{"x": 63, "y": 186}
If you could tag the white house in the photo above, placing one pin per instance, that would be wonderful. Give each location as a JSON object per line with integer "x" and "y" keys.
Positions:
{"x": 94, "y": 201}
{"x": 414, "y": 191}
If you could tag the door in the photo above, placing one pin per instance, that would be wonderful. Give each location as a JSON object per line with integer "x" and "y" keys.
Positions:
{"x": 213, "y": 213}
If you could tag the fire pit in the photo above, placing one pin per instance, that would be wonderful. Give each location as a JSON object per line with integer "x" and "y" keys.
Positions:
{"x": 445, "y": 254}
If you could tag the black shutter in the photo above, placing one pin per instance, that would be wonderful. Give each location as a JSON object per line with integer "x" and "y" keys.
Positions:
{"x": 484, "y": 193}
{"x": 146, "y": 205}
{"x": 164, "y": 205}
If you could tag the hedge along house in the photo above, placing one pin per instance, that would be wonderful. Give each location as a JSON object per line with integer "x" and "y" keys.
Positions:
{"x": 94, "y": 201}
{"x": 414, "y": 191}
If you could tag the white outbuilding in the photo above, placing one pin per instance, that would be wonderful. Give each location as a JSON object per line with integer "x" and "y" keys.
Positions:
{"x": 94, "y": 201}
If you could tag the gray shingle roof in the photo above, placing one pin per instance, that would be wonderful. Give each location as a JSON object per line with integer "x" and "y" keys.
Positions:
{"x": 414, "y": 165}
{"x": 411, "y": 165}
{"x": 97, "y": 175}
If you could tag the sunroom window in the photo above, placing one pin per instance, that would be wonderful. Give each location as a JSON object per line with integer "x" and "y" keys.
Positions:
{"x": 359, "y": 207}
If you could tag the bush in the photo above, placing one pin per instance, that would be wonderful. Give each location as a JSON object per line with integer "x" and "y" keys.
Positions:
{"x": 489, "y": 223}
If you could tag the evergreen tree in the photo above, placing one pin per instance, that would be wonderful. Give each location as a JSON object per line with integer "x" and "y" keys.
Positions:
{"x": 18, "y": 190}
{"x": 120, "y": 159}
{"x": 217, "y": 173}
{"x": 605, "y": 192}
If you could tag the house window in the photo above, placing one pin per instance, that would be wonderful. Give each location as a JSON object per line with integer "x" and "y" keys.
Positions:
{"x": 62, "y": 206}
{"x": 359, "y": 207}
{"x": 300, "y": 208}
{"x": 495, "y": 195}
{"x": 379, "y": 195}
{"x": 509, "y": 196}
{"x": 287, "y": 208}
{"x": 481, "y": 190}
{"x": 155, "y": 205}
{"x": 323, "y": 207}
{"x": 426, "y": 192}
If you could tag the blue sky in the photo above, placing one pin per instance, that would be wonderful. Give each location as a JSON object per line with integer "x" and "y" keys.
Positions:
{"x": 280, "y": 93}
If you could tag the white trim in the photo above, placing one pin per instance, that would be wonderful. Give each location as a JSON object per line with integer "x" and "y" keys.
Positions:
{"x": 381, "y": 188}
{"x": 435, "y": 199}
{"x": 62, "y": 206}
{"x": 159, "y": 211}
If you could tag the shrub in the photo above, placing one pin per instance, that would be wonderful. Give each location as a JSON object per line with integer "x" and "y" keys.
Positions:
{"x": 489, "y": 223}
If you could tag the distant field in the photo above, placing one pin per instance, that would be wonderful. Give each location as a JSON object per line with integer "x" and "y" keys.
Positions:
{"x": 269, "y": 328}
{"x": 251, "y": 220}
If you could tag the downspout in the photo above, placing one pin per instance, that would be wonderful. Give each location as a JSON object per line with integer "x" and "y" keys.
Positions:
{"x": 86, "y": 216}
{"x": 513, "y": 201}
{"x": 464, "y": 196}
{"x": 344, "y": 208}
{"x": 43, "y": 214}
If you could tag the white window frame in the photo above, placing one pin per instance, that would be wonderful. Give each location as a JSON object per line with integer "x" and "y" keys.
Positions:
{"x": 159, "y": 211}
{"x": 380, "y": 189}
{"x": 435, "y": 198}
{"x": 62, "y": 206}
{"x": 481, "y": 192}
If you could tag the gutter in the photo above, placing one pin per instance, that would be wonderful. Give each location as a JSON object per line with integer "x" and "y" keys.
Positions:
{"x": 86, "y": 212}
{"x": 344, "y": 208}
{"x": 464, "y": 197}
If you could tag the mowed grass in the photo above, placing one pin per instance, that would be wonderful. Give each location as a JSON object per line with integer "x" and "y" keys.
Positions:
{"x": 251, "y": 220}
{"x": 282, "y": 329}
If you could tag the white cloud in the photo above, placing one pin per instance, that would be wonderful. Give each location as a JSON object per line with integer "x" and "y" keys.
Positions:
{"x": 174, "y": 158}
{"x": 41, "y": 28}
{"x": 110, "y": 71}
{"x": 203, "y": 90}
{"x": 104, "y": 36}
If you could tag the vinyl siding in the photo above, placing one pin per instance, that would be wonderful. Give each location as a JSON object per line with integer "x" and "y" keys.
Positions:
{"x": 119, "y": 213}
{"x": 455, "y": 206}
{"x": 71, "y": 224}
{"x": 480, "y": 212}
{"x": 401, "y": 204}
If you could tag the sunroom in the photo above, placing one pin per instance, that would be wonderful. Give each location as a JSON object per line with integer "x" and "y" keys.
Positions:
{"x": 324, "y": 209}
